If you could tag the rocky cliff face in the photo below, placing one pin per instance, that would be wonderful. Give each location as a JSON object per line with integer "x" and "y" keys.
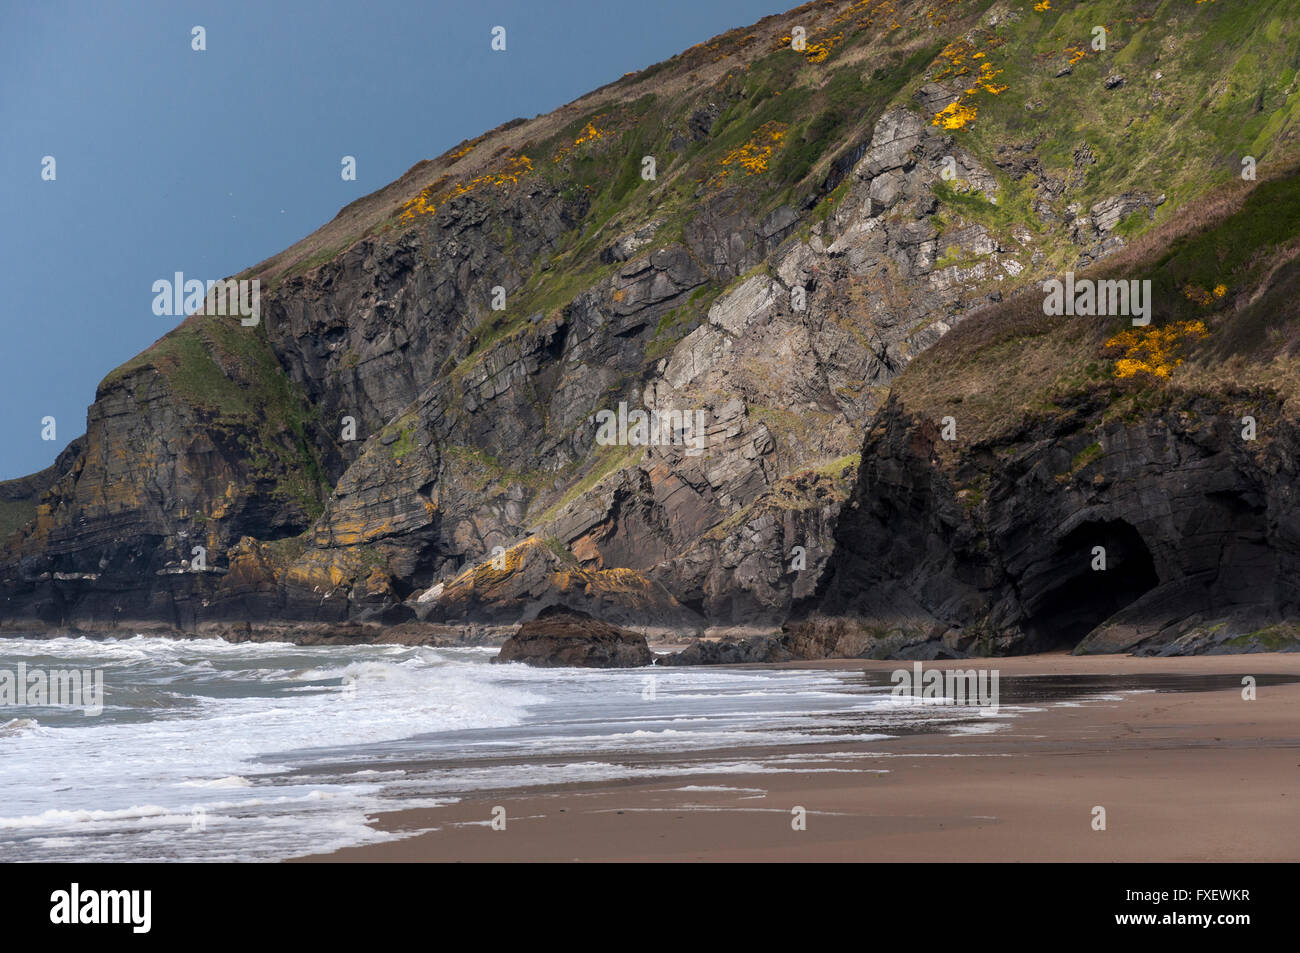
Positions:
{"x": 1077, "y": 506}
{"x": 412, "y": 435}
{"x": 1197, "y": 527}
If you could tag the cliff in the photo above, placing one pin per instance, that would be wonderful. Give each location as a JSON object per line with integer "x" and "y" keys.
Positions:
{"x": 816, "y": 219}
{"x": 1109, "y": 488}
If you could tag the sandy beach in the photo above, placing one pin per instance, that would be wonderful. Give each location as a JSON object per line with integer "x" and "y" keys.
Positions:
{"x": 1183, "y": 775}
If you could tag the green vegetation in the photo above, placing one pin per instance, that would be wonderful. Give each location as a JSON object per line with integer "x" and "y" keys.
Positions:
{"x": 14, "y": 515}
{"x": 841, "y": 467}
{"x": 674, "y": 326}
{"x": 1016, "y": 365}
{"x": 286, "y": 551}
{"x": 840, "y": 107}
{"x": 1188, "y": 116}
{"x": 608, "y": 460}
{"x": 819, "y": 110}
{"x": 1276, "y": 638}
{"x": 561, "y": 551}
{"x": 1233, "y": 252}
{"x": 230, "y": 379}
{"x": 1085, "y": 456}
{"x": 405, "y": 441}
{"x": 1012, "y": 208}
{"x": 484, "y": 470}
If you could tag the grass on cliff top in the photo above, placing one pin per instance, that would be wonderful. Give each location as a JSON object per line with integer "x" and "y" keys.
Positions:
{"x": 14, "y": 515}
{"x": 1011, "y": 363}
{"x": 1152, "y": 134}
{"x": 1187, "y": 113}
{"x": 231, "y": 378}
{"x": 1202, "y": 82}
{"x": 1160, "y": 132}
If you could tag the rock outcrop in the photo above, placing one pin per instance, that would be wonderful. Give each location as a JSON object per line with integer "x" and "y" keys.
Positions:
{"x": 560, "y": 637}
{"x": 730, "y": 650}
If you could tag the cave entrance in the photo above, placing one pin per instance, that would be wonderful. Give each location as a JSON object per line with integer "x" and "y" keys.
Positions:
{"x": 1085, "y": 597}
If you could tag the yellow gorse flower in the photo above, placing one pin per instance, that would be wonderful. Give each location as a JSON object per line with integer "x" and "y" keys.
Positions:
{"x": 753, "y": 156}
{"x": 1202, "y": 297}
{"x": 954, "y": 116}
{"x": 1153, "y": 351}
{"x": 429, "y": 199}
{"x": 958, "y": 114}
{"x": 588, "y": 134}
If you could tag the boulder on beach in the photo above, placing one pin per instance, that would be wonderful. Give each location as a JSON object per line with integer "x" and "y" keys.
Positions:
{"x": 563, "y": 637}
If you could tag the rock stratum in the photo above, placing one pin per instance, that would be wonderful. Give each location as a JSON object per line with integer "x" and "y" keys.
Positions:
{"x": 841, "y": 248}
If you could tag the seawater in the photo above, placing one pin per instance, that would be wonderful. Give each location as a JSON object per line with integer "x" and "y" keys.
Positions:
{"x": 208, "y": 750}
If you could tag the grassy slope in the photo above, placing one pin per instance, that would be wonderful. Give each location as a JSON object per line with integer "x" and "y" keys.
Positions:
{"x": 1204, "y": 85}
{"x": 14, "y": 515}
{"x": 231, "y": 379}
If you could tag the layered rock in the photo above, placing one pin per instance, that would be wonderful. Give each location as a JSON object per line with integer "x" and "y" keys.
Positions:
{"x": 730, "y": 650}
{"x": 445, "y": 468}
{"x": 530, "y": 577}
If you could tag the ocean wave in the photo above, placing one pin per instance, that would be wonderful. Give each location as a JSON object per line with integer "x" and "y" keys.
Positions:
{"x": 18, "y": 726}
{"x": 57, "y": 817}
{"x": 229, "y": 781}
{"x": 278, "y": 750}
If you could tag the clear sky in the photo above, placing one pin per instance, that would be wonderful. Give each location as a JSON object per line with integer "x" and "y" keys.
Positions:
{"x": 168, "y": 160}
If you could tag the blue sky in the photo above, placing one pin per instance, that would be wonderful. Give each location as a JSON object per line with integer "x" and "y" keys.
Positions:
{"x": 173, "y": 160}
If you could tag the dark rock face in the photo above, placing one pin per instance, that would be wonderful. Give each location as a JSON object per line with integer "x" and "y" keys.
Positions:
{"x": 731, "y": 651}
{"x": 564, "y": 638}
{"x": 1200, "y": 531}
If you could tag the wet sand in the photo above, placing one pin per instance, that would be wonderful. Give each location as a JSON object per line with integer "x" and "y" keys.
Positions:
{"x": 1187, "y": 772}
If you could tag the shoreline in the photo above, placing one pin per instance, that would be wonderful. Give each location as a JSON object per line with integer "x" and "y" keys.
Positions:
{"x": 434, "y": 635}
{"x": 662, "y": 640}
{"x": 1185, "y": 775}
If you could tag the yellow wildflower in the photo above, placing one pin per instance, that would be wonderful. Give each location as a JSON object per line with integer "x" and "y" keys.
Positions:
{"x": 1152, "y": 351}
